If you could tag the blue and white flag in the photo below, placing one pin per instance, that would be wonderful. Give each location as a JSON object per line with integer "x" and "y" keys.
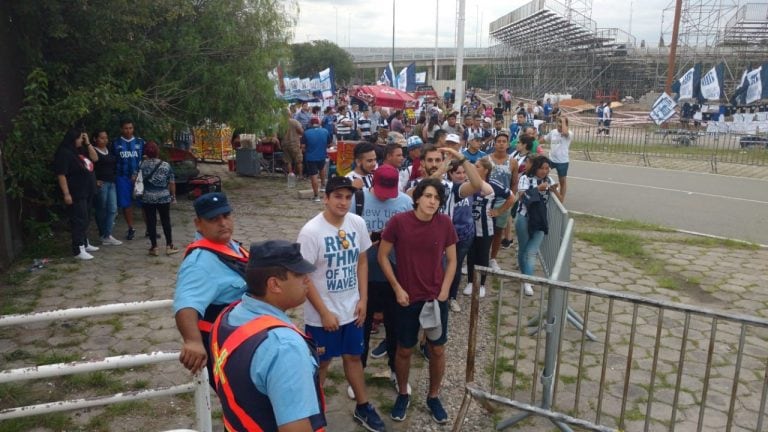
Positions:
{"x": 687, "y": 87}
{"x": 740, "y": 95}
{"x": 712, "y": 84}
{"x": 663, "y": 109}
{"x": 388, "y": 76}
{"x": 757, "y": 90}
{"x": 326, "y": 82}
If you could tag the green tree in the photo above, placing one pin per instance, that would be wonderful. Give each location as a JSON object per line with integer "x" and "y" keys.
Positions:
{"x": 160, "y": 62}
{"x": 479, "y": 76}
{"x": 309, "y": 58}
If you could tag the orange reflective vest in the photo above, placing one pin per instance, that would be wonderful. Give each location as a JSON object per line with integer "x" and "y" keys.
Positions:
{"x": 232, "y": 260}
{"x": 244, "y": 407}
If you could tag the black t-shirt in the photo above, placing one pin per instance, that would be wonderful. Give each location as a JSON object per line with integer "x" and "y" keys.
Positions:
{"x": 78, "y": 170}
{"x": 106, "y": 166}
{"x": 498, "y": 113}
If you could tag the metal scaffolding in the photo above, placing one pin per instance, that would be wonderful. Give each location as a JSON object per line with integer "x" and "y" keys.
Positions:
{"x": 554, "y": 46}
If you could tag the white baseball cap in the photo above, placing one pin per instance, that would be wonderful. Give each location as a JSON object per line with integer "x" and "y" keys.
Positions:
{"x": 453, "y": 138}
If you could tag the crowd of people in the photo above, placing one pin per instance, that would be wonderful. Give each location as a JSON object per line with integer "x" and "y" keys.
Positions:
{"x": 425, "y": 197}
{"x": 97, "y": 179}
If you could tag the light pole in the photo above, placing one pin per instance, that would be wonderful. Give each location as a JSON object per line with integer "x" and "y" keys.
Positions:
{"x": 337, "y": 24}
{"x": 393, "y": 38}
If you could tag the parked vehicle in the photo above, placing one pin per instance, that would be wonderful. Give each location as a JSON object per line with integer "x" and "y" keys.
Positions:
{"x": 748, "y": 141}
{"x": 427, "y": 91}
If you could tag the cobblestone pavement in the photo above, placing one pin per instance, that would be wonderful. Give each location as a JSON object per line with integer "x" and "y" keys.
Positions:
{"x": 668, "y": 266}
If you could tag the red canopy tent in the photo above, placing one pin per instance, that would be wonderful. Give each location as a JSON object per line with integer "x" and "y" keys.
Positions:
{"x": 384, "y": 96}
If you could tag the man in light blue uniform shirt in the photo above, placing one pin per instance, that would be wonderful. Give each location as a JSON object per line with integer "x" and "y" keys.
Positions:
{"x": 283, "y": 368}
{"x": 211, "y": 277}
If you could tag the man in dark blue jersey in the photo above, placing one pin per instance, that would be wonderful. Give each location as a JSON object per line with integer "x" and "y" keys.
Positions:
{"x": 128, "y": 150}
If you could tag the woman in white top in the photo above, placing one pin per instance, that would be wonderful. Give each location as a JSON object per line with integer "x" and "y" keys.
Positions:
{"x": 560, "y": 142}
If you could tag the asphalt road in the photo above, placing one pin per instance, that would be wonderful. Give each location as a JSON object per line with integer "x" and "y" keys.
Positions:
{"x": 732, "y": 207}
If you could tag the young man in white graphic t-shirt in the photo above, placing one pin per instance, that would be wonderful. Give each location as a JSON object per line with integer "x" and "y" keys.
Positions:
{"x": 335, "y": 242}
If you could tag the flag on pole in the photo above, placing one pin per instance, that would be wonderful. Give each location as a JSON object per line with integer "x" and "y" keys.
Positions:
{"x": 755, "y": 85}
{"x": 663, "y": 109}
{"x": 739, "y": 96}
{"x": 712, "y": 84}
{"x": 687, "y": 87}
{"x": 388, "y": 76}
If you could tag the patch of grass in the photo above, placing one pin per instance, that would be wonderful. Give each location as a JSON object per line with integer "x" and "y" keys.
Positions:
{"x": 129, "y": 407}
{"x": 335, "y": 376}
{"x": 715, "y": 242}
{"x": 139, "y": 384}
{"x": 116, "y": 322}
{"x": 605, "y": 223}
{"x": 667, "y": 282}
{"x": 54, "y": 357}
{"x": 634, "y": 415}
{"x": 16, "y": 278}
{"x": 55, "y": 421}
{"x": 13, "y": 394}
{"x": 18, "y": 354}
{"x": 94, "y": 381}
{"x": 625, "y": 245}
{"x": 330, "y": 391}
{"x": 569, "y": 379}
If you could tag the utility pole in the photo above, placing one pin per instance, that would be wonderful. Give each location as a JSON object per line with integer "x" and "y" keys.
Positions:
{"x": 437, "y": 22}
{"x": 673, "y": 47}
{"x": 337, "y": 24}
{"x": 459, "y": 86}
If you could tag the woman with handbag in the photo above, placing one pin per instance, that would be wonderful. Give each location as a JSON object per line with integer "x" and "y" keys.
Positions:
{"x": 531, "y": 221}
{"x": 158, "y": 194}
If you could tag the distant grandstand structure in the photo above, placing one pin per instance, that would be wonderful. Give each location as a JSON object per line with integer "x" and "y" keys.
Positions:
{"x": 554, "y": 46}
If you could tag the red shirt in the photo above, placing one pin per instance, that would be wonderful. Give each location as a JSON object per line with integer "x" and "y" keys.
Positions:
{"x": 419, "y": 250}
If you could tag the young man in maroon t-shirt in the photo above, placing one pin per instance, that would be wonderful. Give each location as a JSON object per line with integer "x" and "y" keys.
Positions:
{"x": 420, "y": 238}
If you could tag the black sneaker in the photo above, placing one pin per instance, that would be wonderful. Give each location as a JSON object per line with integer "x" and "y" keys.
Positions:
{"x": 131, "y": 234}
{"x": 369, "y": 418}
{"x": 436, "y": 409}
{"x": 380, "y": 350}
{"x": 424, "y": 351}
{"x": 506, "y": 244}
{"x": 401, "y": 406}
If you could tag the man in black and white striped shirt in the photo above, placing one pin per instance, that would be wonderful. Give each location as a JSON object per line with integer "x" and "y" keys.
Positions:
{"x": 365, "y": 165}
{"x": 343, "y": 127}
{"x": 364, "y": 126}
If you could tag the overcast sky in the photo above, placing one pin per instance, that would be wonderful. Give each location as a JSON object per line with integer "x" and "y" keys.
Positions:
{"x": 369, "y": 23}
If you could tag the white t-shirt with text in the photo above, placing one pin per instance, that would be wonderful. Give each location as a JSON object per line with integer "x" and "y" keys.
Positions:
{"x": 560, "y": 146}
{"x": 336, "y": 275}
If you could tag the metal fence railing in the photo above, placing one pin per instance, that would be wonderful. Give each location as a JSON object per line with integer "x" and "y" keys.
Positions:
{"x": 649, "y": 143}
{"x": 199, "y": 386}
{"x": 655, "y": 365}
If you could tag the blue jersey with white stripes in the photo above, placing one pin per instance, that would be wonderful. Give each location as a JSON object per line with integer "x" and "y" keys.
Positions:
{"x": 128, "y": 154}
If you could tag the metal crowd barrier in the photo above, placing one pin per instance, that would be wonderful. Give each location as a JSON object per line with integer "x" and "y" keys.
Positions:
{"x": 686, "y": 144}
{"x": 199, "y": 385}
{"x": 654, "y": 364}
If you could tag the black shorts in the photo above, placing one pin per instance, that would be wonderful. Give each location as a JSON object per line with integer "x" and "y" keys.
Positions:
{"x": 408, "y": 324}
{"x": 313, "y": 167}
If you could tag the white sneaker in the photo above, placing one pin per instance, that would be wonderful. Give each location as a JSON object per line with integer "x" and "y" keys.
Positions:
{"x": 393, "y": 378}
{"x": 482, "y": 291}
{"x": 455, "y": 305}
{"x": 350, "y": 392}
{"x": 467, "y": 289}
{"x": 83, "y": 255}
{"x": 527, "y": 289}
{"x": 110, "y": 241}
{"x": 89, "y": 247}
{"x": 494, "y": 265}
{"x": 464, "y": 269}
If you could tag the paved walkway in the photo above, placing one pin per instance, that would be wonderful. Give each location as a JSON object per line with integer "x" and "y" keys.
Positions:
{"x": 680, "y": 268}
